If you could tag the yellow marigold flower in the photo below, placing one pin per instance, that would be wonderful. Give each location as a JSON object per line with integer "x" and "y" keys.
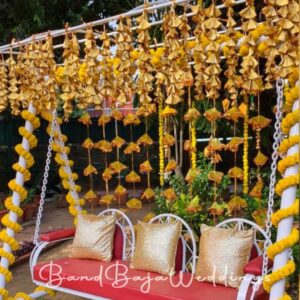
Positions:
{"x": 236, "y": 172}
{"x": 120, "y": 191}
{"x": 171, "y": 165}
{"x": 90, "y": 169}
{"x": 117, "y": 142}
{"x": 107, "y": 174}
{"x": 90, "y": 195}
{"x": 83, "y": 73}
{"x": 134, "y": 203}
{"x": 85, "y": 119}
{"x": 192, "y": 115}
{"x": 244, "y": 50}
{"x": 236, "y": 203}
{"x": 117, "y": 115}
{"x": 169, "y": 194}
{"x": 145, "y": 140}
{"x": 148, "y": 217}
{"x": 168, "y": 140}
{"x": 260, "y": 159}
{"x": 107, "y": 199}
{"x": 259, "y": 122}
{"x": 131, "y": 119}
{"x": 117, "y": 167}
{"x": 148, "y": 194}
{"x": 145, "y": 167}
{"x": 234, "y": 143}
{"x": 191, "y": 174}
{"x": 215, "y": 176}
{"x": 103, "y": 120}
{"x": 218, "y": 209}
{"x": 134, "y": 54}
{"x": 191, "y": 44}
{"x": 60, "y": 75}
{"x": 259, "y": 216}
{"x": 168, "y": 111}
{"x": 103, "y": 145}
{"x": 132, "y": 147}
{"x": 262, "y": 47}
{"x": 132, "y": 177}
{"x": 212, "y": 114}
{"x": 88, "y": 144}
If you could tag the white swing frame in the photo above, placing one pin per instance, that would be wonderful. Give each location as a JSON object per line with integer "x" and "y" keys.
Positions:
{"x": 127, "y": 230}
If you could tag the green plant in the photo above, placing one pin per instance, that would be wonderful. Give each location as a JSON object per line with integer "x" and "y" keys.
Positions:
{"x": 30, "y": 196}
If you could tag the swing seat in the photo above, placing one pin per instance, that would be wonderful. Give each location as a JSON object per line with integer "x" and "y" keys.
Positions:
{"x": 105, "y": 286}
{"x": 116, "y": 280}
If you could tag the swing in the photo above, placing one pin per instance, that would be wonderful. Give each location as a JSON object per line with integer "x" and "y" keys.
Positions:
{"x": 83, "y": 270}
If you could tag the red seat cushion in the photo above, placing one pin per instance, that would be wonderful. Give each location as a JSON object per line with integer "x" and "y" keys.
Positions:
{"x": 255, "y": 266}
{"x": 116, "y": 280}
{"x": 118, "y": 243}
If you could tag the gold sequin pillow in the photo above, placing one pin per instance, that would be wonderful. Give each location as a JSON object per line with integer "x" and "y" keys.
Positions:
{"x": 156, "y": 246}
{"x": 223, "y": 253}
{"x": 94, "y": 237}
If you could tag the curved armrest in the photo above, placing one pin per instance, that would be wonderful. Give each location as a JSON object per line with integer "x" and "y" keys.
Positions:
{"x": 255, "y": 266}
{"x": 58, "y": 235}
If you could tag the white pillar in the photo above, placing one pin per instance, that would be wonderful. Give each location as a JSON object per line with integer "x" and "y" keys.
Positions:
{"x": 285, "y": 226}
{"x": 16, "y": 198}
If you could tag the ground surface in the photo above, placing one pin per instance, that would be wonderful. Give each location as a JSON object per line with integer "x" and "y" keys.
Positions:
{"x": 55, "y": 218}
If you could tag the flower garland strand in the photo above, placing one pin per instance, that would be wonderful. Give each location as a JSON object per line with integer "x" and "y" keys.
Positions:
{"x": 245, "y": 154}
{"x": 67, "y": 179}
{"x": 34, "y": 121}
{"x": 287, "y": 212}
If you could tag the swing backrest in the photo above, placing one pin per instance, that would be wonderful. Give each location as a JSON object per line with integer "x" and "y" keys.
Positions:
{"x": 186, "y": 249}
{"x": 124, "y": 238}
{"x": 242, "y": 224}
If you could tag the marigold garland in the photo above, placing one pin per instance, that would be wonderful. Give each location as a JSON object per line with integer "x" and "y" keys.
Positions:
{"x": 287, "y": 162}
{"x": 285, "y": 183}
{"x": 161, "y": 146}
{"x": 288, "y": 143}
{"x": 245, "y": 154}
{"x": 289, "y": 121}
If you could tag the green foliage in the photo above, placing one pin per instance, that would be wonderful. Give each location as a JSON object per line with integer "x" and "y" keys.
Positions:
{"x": 20, "y": 18}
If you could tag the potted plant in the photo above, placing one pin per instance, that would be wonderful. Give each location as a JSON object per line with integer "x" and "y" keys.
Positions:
{"x": 29, "y": 205}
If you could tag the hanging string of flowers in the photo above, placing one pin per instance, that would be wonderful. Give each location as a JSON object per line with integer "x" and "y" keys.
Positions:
{"x": 106, "y": 147}
{"x": 88, "y": 144}
{"x": 131, "y": 148}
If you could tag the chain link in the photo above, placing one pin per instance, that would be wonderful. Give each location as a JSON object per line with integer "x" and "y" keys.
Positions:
{"x": 277, "y": 139}
{"x": 45, "y": 181}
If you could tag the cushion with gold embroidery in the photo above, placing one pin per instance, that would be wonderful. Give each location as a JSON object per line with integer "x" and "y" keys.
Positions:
{"x": 156, "y": 246}
{"x": 94, "y": 237}
{"x": 223, "y": 253}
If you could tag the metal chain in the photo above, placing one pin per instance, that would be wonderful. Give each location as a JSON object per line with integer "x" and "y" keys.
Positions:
{"x": 277, "y": 139}
{"x": 45, "y": 181}
{"x": 68, "y": 168}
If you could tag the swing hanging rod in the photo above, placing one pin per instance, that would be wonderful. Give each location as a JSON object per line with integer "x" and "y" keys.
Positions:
{"x": 153, "y": 23}
{"x": 152, "y": 6}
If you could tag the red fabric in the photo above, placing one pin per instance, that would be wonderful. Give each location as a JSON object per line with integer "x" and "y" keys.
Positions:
{"x": 76, "y": 274}
{"x": 178, "y": 258}
{"x": 118, "y": 243}
{"x": 255, "y": 265}
{"x": 58, "y": 235}
{"x": 254, "y": 252}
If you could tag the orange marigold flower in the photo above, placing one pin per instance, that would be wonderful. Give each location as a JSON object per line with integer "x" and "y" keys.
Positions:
{"x": 192, "y": 115}
{"x": 168, "y": 140}
{"x": 146, "y": 167}
{"x": 120, "y": 191}
{"x": 117, "y": 167}
{"x": 260, "y": 159}
{"x": 145, "y": 140}
{"x": 215, "y": 176}
{"x": 148, "y": 194}
{"x": 88, "y": 144}
{"x": 132, "y": 147}
{"x": 104, "y": 146}
{"x": 132, "y": 177}
{"x": 171, "y": 165}
{"x": 117, "y": 142}
{"x": 169, "y": 194}
{"x": 134, "y": 203}
{"x": 103, "y": 120}
{"x": 131, "y": 119}
{"x": 236, "y": 172}
{"x": 90, "y": 169}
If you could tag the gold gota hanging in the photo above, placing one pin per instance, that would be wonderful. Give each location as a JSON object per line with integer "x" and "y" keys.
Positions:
{"x": 3, "y": 86}
{"x": 107, "y": 74}
{"x": 89, "y": 74}
{"x": 67, "y": 76}
{"x": 143, "y": 60}
{"x": 123, "y": 67}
